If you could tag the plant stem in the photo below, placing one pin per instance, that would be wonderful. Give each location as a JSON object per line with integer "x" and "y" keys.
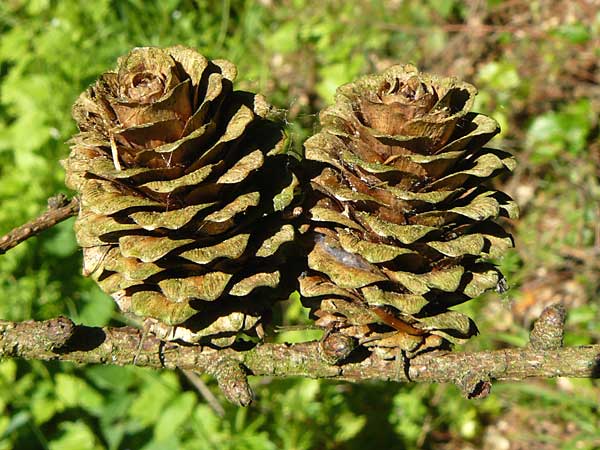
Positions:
{"x": 59, "y": 209}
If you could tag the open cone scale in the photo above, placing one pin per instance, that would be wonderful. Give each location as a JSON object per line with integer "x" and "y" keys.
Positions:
{"x": 185, "y": 190}
{"x": 401, "y": 219}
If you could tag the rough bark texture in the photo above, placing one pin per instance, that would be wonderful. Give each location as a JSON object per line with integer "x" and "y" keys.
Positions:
{"x": 61, "y": 339}
{"x": 59, "y": 209}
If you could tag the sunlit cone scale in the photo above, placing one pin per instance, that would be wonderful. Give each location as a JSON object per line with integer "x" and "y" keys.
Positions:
{"x": 401, "y": 219}
{"x": 184, "y": 187}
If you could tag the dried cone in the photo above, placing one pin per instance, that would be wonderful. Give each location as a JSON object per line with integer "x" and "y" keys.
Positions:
{"x": 183, "y": 182}
{"x": 401, "y": 219}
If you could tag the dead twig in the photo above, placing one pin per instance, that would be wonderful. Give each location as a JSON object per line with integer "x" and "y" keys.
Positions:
{"x": 204, "y": 390}
{"x": 59, "y": 209}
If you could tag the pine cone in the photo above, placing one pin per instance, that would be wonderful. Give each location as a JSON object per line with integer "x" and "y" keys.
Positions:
{"x": 183, "y": 182}
{"x": 401, "y": 219}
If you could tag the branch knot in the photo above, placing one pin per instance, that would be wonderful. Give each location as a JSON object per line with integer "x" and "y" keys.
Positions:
{"x": 548, "y": 330}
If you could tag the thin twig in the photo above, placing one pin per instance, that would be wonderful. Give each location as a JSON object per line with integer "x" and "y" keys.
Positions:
{"x": 531, "y": 32}
{"x": 204, "y": 390}
{"x": 59, "y": 209}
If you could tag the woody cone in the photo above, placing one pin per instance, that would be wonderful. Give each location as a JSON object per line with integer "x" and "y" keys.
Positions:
{"x": 184, "y": 188}
{"x": 401, "y": 218}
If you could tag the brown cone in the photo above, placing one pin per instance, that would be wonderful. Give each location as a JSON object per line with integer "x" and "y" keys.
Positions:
{"x": 183, "y": 184}
{"x": 400, "y": 216}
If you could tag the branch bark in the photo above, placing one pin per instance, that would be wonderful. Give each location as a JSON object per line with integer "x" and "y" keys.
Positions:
{"x": 61, "y": 339}
{"x": 59, "y": 209}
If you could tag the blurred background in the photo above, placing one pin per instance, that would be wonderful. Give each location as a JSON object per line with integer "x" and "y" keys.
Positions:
{"x": 536, "y": 64}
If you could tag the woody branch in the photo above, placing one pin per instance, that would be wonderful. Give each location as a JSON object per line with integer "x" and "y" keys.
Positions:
{"x": 61, "y": 339}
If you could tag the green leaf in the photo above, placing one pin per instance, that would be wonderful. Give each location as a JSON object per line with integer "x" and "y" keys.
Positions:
{"x": 349, "y": 426}
{"x": 75, "y": 436}
{"x": 8, "y": 371}
{"x": 17, "y": 421}
{"x": 44, "y": 404}
{"x": 174, "y": 416}
{"x": 407, "y": 415}
{"x": 332, "y": 76}
{"x": 156, "y": 393}
{"x": 443, "y": 7}
{"x": 63, "y": 243}
{"x": 576, "y": 33}
{"x": 168, "y": 443}
{"x": 75, "y": 392}
{"x": 112, "y": 377}
{"x": 554, "y": 133}
{"x": 501, "y": 75}
{"x": 284, "y": 39}
{"x": 96, "y": 308}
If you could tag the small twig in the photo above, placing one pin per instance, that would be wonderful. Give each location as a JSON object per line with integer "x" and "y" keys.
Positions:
{"x": 204, "y": 390}
{"x": 531, "y": 32}
{"x": 59, "y": 209}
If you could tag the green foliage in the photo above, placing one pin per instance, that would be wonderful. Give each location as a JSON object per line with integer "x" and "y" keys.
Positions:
{"x": 556, "y": 132}
{"x": 296, "y": 52}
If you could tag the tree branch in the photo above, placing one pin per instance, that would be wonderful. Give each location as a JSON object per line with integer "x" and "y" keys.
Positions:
{"x": 61, "y": 339}
{"x": 59, "y": 209}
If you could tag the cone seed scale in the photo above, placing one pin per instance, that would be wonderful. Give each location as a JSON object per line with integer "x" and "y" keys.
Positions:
{"x": 184, "y": 188}
{"x": 187, "y": 204}
{"x": 400, "y": 217}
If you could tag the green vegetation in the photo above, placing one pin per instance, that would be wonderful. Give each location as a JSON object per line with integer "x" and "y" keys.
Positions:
{"x": 535, "y": 64}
